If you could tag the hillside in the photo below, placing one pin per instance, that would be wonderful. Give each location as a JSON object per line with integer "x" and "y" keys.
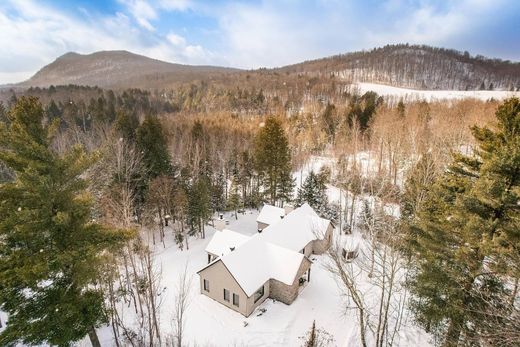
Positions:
{"x": 417, "y": 67}
{"x": 405, "y": 66}
{"x": 117, "y": 69}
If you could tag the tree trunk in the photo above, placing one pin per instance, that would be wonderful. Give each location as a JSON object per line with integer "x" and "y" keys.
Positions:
{"x": 94, "y": 340}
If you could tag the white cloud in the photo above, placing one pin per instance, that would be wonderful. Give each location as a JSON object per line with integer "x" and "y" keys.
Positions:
{"x": 33, "y": 35}
{"x": 142, "y": 11}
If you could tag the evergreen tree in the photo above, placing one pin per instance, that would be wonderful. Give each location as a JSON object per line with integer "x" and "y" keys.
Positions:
{"x": 273, "y": 159}
{"x": 466, "y": 235}
{"x": 127, "y": 124}
{"x": 401, "y": 108}
{"x": 50, "y": 249}
{"x": 314, "y": 192}
{"x": 151, "y": 140}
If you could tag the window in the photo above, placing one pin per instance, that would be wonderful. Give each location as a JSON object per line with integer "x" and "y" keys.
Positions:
{"x": 259, "y": 293}
{"x": 226, "y": 295}
{"x": 206, "y": 285}
{"x": 235, "y": 299}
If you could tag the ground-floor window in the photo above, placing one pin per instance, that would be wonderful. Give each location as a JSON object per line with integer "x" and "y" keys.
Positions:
{"x": 206, "y": 285}
{"x": 235, "y": 299}
{"x": 226, "y": 295}
{"x": 259, "y": 293}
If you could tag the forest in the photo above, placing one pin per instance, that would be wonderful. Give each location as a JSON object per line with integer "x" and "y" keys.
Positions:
{"x": 92, "y": 179}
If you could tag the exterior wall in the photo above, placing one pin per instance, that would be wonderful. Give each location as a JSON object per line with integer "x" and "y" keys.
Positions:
{"x": 262, "y": 226}
{"x": 220, "y": 278}
{"x": 285, "y": 293}
{"x": 252, "y": 305}
{"x": 321, "y": 246}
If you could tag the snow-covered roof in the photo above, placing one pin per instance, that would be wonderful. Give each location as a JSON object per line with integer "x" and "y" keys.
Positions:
{"x": 222, "y": 242}
{"x": 272, "y": 254}
{"x": 349, "y": 242}
{"x": 256, "y": 262}
{"x": 297, "y": 229}
{"x": 270, "y": 214}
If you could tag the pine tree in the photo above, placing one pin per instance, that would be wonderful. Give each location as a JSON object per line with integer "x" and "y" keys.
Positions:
{"x": 50, "y": 249}
{"x": 466, "y": 235}
{"x": 273, "y": 159}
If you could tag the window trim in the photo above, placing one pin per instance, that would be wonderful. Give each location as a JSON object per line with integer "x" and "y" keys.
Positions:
{"x": 228, "y": 297}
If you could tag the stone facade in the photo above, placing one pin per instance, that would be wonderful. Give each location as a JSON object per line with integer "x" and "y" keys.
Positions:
{"x": 285, "y": 293}
{"x": 321, "y": 246}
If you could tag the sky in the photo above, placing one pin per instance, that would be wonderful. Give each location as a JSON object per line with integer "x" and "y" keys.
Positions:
{"x": 247, "y": 34}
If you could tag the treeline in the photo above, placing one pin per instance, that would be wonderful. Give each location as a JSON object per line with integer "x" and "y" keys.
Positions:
{"x": 417, "y": 66}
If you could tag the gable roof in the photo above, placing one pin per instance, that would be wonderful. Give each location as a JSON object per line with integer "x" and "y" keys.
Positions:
{"x": 222, "y": 242}
{"x": 297, "y": 229}
{"x": 270, "y": 214}
{"x": 272, "y": 254}
{"x": 256, "y": 262}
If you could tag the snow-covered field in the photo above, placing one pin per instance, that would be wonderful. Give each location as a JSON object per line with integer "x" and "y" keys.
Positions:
{"x": 433, "y": 95}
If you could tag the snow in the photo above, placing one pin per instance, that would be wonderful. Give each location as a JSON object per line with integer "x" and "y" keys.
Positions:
{"x": 256, "y": 262}
{"x": 433, "y": 95}
{"x": 270, "y": 214}
{"x": 297, "y": 229}
{"x": 276, "y": 248}
{"x": 222, "y": 242}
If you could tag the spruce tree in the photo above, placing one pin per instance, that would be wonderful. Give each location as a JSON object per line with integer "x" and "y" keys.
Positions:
{"x": 50, "y": 248}
{"x": 273, "y": 159}
{"x": 314, "y": 192}
{"x": 151, "y": 140}
{"x": 465, "y": 237}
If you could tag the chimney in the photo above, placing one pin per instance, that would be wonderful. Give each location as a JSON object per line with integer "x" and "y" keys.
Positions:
{"x": 232, "y": 248}
{"x": 288, "y": 209}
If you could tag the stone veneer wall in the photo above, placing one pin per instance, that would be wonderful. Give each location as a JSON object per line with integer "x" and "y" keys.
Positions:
{"x": 321, "y": 246}
{"x": 288, "y": 293}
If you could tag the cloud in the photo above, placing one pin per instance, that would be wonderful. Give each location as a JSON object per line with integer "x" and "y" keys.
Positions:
{"x": 142, "y": 11}
{"x": 249, "y": 34}
{"x": 33, "y": 35}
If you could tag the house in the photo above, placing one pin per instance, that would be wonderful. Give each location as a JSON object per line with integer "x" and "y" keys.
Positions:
{"x": 244, "y": 271}
{"x": 269, "y": 215}
{"x": 246, "y": 276}
{"x": 224, "y": 242}
{"x": 302, "y": 230}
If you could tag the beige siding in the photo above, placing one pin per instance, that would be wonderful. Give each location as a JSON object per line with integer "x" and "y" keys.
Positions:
{"x": 252, "y": 305}
{"x": 219, "y": 279}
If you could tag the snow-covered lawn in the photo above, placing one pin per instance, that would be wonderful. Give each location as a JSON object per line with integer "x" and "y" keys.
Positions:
{"x": 211, "y": 324}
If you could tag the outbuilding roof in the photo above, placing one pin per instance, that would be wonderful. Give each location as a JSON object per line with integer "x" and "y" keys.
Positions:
{"x": 270, "y": 214}
{"x": 223, "y": 241}
{"x": 297, "y": 229}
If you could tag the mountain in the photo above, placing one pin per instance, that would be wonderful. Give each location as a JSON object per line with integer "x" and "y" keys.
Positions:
{"x": 407, "y": 66}
{"x": 118, "y": 69}
{"x": 417, "y": 67}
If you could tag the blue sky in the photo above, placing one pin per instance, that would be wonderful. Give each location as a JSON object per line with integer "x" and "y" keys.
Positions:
{"x": 247, "y": 34}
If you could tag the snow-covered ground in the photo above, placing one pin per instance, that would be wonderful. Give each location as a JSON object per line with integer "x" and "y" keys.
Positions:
{"x": 211, "y": 324}
{"x": 433, "y": 95}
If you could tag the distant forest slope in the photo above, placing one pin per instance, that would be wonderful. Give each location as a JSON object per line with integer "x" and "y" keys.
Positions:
{"x": 418, "y": 67}
{"x": 406, "y": 66}
{"x": 118, "y": 69}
